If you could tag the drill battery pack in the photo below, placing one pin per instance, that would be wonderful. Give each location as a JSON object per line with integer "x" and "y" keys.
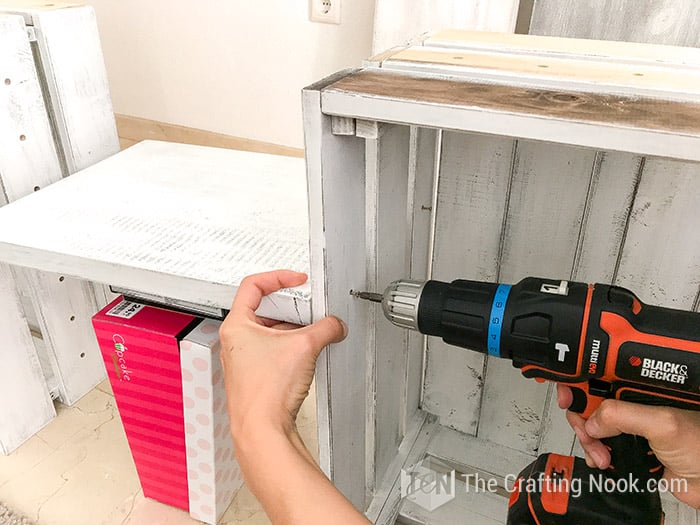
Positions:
{"x": 557, "y": 489}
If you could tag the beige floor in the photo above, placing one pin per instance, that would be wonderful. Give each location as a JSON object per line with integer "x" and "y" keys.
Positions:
{"x": 78, "y": 471}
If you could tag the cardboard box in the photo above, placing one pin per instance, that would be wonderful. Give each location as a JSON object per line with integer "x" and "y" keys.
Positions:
{"x": 140, "y": 347}
{"x": 213, "y": 473}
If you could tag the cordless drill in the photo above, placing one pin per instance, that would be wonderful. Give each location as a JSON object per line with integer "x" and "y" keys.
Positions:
{"x": 599, "y": 339}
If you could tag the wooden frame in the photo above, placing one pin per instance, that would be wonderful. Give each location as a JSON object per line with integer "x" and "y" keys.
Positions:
{"x": 462, "y": 173}
{"x": 62, "y": 44}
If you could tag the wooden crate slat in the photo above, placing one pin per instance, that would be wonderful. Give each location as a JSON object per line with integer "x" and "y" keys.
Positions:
{"x": 336, "y": 168}
{"x": 601, "y": 121}
{"x": 472, "y": 197}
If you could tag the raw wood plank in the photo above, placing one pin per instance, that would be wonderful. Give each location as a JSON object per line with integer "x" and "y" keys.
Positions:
{"x": 588, "y": 46}
{"x": 336, "y": 170}
{"x": 388, "y": 256}
{"x": 612, "y": 122}
{"x": 472, "y": 198}
{"x": 26, "y": 405}
{"x": 557, "y": 73}
{"x": 547, "y": 201}
{"x": 657, "y": 21}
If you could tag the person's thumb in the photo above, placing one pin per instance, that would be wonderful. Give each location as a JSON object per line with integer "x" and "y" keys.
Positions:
{"x": 324, "y": 332}
{"x": 615, "y": 417}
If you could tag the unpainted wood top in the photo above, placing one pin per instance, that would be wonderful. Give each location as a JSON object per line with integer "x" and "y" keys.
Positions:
{"x": 598, "y": 108}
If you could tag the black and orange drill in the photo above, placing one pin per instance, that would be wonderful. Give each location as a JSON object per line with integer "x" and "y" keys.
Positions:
{"x": 599, "y": 339}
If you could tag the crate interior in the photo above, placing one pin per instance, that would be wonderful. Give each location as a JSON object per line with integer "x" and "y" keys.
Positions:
{"x": 443, "y": 204}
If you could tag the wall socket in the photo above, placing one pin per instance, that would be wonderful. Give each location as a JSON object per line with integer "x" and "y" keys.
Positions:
{"x": 325, "y": 11}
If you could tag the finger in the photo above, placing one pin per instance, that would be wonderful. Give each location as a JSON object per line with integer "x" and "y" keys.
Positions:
{"x": 274, "y": 323}
{"x": 324, "y": 332}
{"x": 254, "y": 287}
{"x": 619, "y": 417}
{"x": 596, "y": 451}
{"x": 564, "y": 396}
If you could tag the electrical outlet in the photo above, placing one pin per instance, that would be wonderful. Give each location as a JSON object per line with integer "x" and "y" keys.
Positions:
{"x": 326, "y": 11}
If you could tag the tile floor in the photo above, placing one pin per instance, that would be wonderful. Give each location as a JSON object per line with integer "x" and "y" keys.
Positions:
{"x": 78, "y": 471}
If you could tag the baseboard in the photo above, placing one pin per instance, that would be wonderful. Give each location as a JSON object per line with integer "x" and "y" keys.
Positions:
{"x": 133, "y": 129}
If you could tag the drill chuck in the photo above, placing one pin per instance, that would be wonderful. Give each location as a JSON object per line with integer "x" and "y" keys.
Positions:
{"x": 400, "y": 303}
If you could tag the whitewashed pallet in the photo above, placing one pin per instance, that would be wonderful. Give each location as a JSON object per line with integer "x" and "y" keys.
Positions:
{"x": 27, "y": 160}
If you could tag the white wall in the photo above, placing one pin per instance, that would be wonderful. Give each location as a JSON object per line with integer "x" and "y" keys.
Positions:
{"x": 227, "y": 66}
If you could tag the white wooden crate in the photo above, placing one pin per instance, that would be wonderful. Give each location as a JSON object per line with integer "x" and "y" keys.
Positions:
{"x": 446, "y": 161}
{"x": 59, "y": 120}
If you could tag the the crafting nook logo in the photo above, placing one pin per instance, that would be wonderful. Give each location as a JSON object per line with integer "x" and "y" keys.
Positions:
{"x": 119, "y": 358}
{"x": 667, "y": 371}
{"x": 426, "y": 486}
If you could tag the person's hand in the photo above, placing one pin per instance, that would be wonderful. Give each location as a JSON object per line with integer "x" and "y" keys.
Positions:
{"x": 268, "y": 365}
{"x": 673, "y": 435}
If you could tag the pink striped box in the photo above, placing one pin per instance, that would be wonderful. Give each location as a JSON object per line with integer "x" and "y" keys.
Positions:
{"x": 213, "y": 473}
{"x": 140, "y": 347}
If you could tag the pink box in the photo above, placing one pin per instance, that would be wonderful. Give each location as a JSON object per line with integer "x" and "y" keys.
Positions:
{"x": 140, "y": 347}
{"x": 213, "y": 473}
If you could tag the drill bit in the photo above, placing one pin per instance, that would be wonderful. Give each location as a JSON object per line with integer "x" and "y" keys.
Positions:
{"x": 369, "y": 296}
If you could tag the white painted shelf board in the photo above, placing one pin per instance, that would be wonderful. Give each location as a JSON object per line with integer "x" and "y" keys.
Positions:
{"x": 172, "y": 220}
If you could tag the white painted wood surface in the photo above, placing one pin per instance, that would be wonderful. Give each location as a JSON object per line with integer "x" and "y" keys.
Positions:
{"x": 180, "y": 221}
{"x": 28, "y": 161}
{"x": 26, "y": 404}
{"x": 336, "y": 168}
{"x": 398, "y": 21}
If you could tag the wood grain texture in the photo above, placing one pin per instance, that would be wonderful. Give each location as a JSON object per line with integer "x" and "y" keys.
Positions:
{"x": 27, "y": 405}
{"x": 133, "y": 129}
{"x": 180, "y": 221}
{"x": 657, "y": 21}
{"x": 548, "y": 38}
{"x": 336, "y": 168}
{"x": 580, "y": 74}
{"x": 602, "y": 109}
{"x": 664, "y": 128}
{"x": 471, "y": 203}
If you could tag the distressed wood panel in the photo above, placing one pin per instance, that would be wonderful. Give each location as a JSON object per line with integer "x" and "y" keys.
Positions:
{"x": 397, "y": 21}
{"x": 661, "y": 256}
{"x": 423, "y": 169}
{"x": 73, "y": 69}
{"x": 471, "y": 202}
{"x": 28, "y": 161}
{"x": 26, "y": 405}
{"x": 388, "y": 255}
{"x": 657, "y": 21}
{"x": 67, "y": 330}
{"x": 336, "y": 183}
{"x": 546, "y": 206}
{"x": 180, "y": 220}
